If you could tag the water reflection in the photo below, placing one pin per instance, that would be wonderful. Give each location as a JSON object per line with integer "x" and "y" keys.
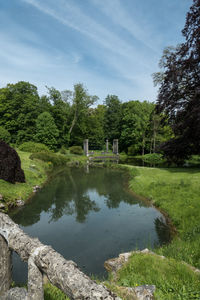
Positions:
{"x": 69, "y": 194}
{"x": 90, "y": 217}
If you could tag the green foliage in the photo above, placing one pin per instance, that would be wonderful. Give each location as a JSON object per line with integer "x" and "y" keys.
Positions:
{"x": 133, "y": 150}
{"x": 112, "y": 117}
{"x": 4, "y": 135}
{"x": 19, "y": 108}
{"x": 51, "y": 158}
{"x": 63, "y": 150}
{"x": 60, "y": 110}
{"x": 76, "y": 150}
{"x": 33, "y": 147}
{"x": 154, "y": 158}
{"x": 79, "y": 113}
{"x": 47, "y": 131}
{"x": 53, "y": 293}
{"x": 173, "y": 280}
{"x": 135, "y": 126}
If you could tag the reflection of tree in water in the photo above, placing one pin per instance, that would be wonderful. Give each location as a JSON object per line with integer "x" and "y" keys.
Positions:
{"x": 67, "y": 194}
{"x": 163, "y": 231}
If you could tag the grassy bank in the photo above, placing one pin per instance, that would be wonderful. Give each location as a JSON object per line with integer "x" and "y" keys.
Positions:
{"x": 176, "y": 191}
{"x": 35, "y": 174}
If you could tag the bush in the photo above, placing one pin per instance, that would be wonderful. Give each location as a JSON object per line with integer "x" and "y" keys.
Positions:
{"x": 63, "y": 150}
{"x": 55, "y": 159}
{"x": 154, "y": 158}
{"x": 33, "y": 147}
{"x": 133, "y": 150}
{"x": 4, "y": 135}
{"x": 76, "y": 150}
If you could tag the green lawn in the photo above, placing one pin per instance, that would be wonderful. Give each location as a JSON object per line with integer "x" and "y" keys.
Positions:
{"x": 175, "y": 191}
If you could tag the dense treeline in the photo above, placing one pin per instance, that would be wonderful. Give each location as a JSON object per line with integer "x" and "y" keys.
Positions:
{"x": 67, "y": 118}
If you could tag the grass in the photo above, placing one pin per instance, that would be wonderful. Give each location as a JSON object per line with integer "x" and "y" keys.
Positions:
{"x": 175, "y": 191}
{"x": 173, "y": 280}
{"x": 53, "y": 293}
{"x": 35, "y": 174}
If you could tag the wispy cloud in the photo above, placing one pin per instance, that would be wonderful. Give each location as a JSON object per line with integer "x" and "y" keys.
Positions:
{"x": 103, "y": 43}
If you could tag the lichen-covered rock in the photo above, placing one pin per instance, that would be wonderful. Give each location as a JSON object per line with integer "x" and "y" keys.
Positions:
{"x": 10, "y": 164}
{"x": 15, "y": 294}
{"x": 143, "y": 292}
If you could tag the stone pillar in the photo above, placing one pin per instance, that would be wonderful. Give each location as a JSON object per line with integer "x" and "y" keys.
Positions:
{"x": 115, "y": 146}
{"x": 5, "y": 266}
{"x": 107, "y": 146}
{"x": 35, "y": 281}
{"x": 85, "y": 147}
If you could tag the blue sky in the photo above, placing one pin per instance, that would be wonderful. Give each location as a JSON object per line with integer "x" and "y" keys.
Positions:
{"x": 111, "y": 46}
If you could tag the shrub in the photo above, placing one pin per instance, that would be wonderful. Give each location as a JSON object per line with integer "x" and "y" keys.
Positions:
{"x": 33, "y": 147}
{"x": 154, "y": 158}
{"x": 133, "y": 150}
{"x": 55, "y": 159}
{"x": 4, "y": 135}
{"x": 46, "y": 131}
{"x": 63, "y": 150}
{"x": 76, "y": 150}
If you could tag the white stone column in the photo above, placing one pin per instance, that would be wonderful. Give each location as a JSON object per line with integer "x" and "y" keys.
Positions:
{"x": 107, "y": 148}
{"x": 115, "y": 146}
{"x": 85, "y": 147}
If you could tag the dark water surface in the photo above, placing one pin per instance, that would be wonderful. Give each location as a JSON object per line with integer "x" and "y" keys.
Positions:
{"x": 89, "y": 216}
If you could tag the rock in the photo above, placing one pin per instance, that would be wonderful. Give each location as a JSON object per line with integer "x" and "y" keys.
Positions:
{"x": 143, "y": 292}
{"x": 10, "y": 164}
{"x": 1, "y": 197}
{"x": 36, "y": 188}
{"x": 114, "y": 264}
{"x": 20, "y": 202}
{"x": 2, "y": 206}
{"x": 15, "y": 294}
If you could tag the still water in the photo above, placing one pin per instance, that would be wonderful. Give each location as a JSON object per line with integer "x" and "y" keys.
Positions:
{"x": 89, "y": 216}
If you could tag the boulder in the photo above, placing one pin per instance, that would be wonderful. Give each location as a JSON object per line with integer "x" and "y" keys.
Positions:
{"x": 10, "y": 164}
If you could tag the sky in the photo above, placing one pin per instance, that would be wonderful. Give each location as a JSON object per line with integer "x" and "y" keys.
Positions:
{"x": 111, "y": 46}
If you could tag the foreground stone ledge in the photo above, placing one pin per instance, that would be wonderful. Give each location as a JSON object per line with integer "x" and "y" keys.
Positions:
{"x": 62, "y": 273}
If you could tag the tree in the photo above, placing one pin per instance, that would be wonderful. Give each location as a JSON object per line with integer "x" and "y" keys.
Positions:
{"x": 135, "y": 125}
{"x": 81, "y": 102}
{"x": 46, "y": 131}
{"x": 4, "y": 135}
{"x": 112, "y": 117}
{"x": 179, "y": 93}
{"x": 95, "y": 127}
{"x": 59, "y": 109}
{"x": 19, "y": 108}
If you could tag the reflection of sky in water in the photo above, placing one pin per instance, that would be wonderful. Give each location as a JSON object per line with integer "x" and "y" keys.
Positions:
{"x": 89, "y": 218}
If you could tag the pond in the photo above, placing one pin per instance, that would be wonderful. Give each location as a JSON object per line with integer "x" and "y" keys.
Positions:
{"x": 89, "y": 216}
